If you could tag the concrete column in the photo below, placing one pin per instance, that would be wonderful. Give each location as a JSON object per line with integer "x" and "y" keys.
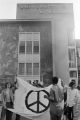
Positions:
{"x": 53, "y": 48}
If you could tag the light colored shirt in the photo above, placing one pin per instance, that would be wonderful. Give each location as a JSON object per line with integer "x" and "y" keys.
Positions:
{"x": 71, "y": 96}
{"x": 77, "y": 107}
{"x": 8, "y": 97}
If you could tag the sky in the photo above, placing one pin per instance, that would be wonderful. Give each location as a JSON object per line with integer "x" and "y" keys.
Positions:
{"x": 8, "y": 10}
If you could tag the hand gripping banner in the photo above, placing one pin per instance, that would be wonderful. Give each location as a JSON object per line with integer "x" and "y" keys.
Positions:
{"x": 29, "y": 100}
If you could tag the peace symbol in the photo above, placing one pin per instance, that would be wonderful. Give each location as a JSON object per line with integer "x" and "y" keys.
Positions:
{"x": 37, "y": 102}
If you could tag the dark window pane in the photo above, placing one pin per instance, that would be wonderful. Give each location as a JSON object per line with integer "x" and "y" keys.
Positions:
{"x": 36, "y": 47}
{"x": 35, "y": 68}
{"x": 21, "y": 68}
{"x": 22, "y": 47}
{"x": 29, "y": 47}
{"x": 29, "y": 68}
{"x": 73, "y": 74}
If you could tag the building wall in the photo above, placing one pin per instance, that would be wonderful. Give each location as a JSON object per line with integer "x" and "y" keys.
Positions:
{"x": 55, "y": 22}
{"x": 61, "y": 48}
{"x": 9, "y": 38}
{"x": 8, "y": 48}
{"x": 78, "y": 57}
{"x": 44, "y": 27}
{"x": 62, "y": 24}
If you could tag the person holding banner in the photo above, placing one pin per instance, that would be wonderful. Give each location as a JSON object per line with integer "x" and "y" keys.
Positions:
{"x": 3, "y": 111}
{"x": 8, "y": 100}
{"x": 15, "y": 94}
{"x": 56, "y": 97}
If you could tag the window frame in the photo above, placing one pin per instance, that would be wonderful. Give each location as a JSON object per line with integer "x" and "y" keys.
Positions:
{"x": 19, "y": 67}
{"x": 32, "y": 54}
{"x": 38, "y": 70}
{"x": 19, "y": 47}
{"x": 72, "y": 61}
{"x": 31, "y": 69}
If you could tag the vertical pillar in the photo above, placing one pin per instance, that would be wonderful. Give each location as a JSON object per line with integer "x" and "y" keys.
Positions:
{"x": 53, "y": 48}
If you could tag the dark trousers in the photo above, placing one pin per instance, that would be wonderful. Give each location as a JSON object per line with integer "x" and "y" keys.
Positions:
{"x": 55, "y": 117}
{"x": 8, "y": 113}
{"x": 55, "y": 112}
{"x": 70, "y": 113}
{"x": 3, "y": 113}
{"x": 17, "y": 117}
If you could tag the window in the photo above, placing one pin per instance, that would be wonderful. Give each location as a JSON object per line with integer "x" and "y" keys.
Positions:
{"x": 73, "y": 73}
{"x": 22, "y": 47}
{"x": 72, "y": 58}
{"x": 29, "y": 68}
{"x": 36, "y": 47}
{"x": 78, "y": 52}
{"x": 29, "y": 47}
{"x": 30, "y": 41}
{"x": 21, "y": 68}
{"x": 29, "y": 54}
{"x": 71, "y": 54}
{"x": 35, "y": 68}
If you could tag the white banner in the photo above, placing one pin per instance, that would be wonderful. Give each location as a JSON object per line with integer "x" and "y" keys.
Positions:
{"x": 29, "y": 100}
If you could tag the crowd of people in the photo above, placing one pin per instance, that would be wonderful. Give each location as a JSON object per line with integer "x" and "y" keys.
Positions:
{"x": 64, "y": 100}
{"x": 7, "y": 98}
{"x": 72, "y": 101}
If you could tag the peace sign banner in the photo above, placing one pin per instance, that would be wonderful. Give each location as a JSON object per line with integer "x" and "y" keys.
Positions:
{"x": 30, "y": 102}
